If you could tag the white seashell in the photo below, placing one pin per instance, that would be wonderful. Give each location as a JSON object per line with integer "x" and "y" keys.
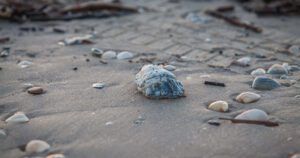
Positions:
{"x": 248, "y": 97}
{"x": 253, "y": 114}
{"x": 124, "y": 55}
{"x": 109, "y": 123}
{"x": 258, "y": 72}
{"x": 18, "y": 117}
{"x": 56, "y": 156}
{"x": 99, "y": 85}
{"x": 156, "y": 82}
{"x": 36, "y": 146}
{"x": 109, "y": 55}
{"x": 77, "y": 40}
{"x": 221, "y": 106}
{"x": 169, "y": 67}
{"x": 25, "y": 64}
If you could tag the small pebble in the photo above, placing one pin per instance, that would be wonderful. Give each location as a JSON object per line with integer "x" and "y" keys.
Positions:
{"x": 25, "y": 64}
{"x": 97, "y": 52}
{"x": 264, "y": 83}
{"x": 125, "y": 55}
{"x": 248, "y": 97}
{"x": 35, "y": 90}
{"x": 2, "y": 133}
{"x": 295, "y": 155}
{"x": 18, "y": 117}
{"x": 109, "y": 123}
{"x": 294, "y": 50}
{"x": 109, "y": 55}
{"x": 258, "y": 72}
{"x": 56, "y": 156}
{"x": 277, "y": 69}
{"x": 36, "y": 146}
{"x": 244, "y": 61}
{"x": 253, "y": 114}
{"x": 220, "y": 106}
{"x": 75, "y": 68}
{"x": 99, "y": 85}
{"x": 5, "y": 52}
{"x": 214, "y": 122}
{"x": 169, "y": 67}
{"x": 297, "y": 96}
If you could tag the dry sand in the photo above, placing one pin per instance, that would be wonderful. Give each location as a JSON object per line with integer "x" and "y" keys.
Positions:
{"x": 73, "y": 117}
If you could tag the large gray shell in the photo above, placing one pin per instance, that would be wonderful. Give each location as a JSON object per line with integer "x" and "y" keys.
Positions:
{"x": 156, "y": 82}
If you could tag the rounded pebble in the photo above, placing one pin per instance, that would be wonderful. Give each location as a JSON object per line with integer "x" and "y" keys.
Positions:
{"x": 18, "y": 117}
{"x": 248, "y": 97}
{"x": 109, "y": 55}
{"x": 97, "y": 52}
{"x": 99, "y": 85}
{"x": 253, "y": 114}
{"x": 36, "y": 146}
{"x": 35, "y": 90}
{"x": 244, "y": 61}
{"x": 294, "y": 49}
{"x": 264, "y": 83}
{"x": 124, "y": 55}
{"x": 295, "y": 155}
{"x": 277, "y": 69}
{"x": 221, "y": 106}
{"x": 25, "y": 64}
{"x": 56, "y": 156}
{"x": 169, "y": 67}
{"x": 258, "y": 72}
{"x": 2, "y": 133}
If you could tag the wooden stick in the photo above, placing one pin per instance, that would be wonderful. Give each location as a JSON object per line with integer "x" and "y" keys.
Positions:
{"x": 234, "y": 21}
{"x": 257, "y": 122}
{"x": 214, "y": 83}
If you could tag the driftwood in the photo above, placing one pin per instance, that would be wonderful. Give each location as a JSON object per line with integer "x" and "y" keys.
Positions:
{"x": 266, "y": 123}
{"x": 234, "y": 21}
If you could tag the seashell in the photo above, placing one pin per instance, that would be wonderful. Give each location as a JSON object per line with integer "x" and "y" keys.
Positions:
{"x": 221, "y": 106}
{"x": 156, "y": 82}
{"x": 99, "y": 85}
{"x": 56, "y": 156}
{"x": 109, "y": 123}
{"x": 25, "y": 64}
{"x": 258, "y": 72}
{"x": 35, "y": 90}
{"x": 18, "y": 117}
{"x": 264, "y": 83}
{"x": 124, "y": 55}
{"x": 253, "y": 114}
{"x": 169, "y": 67}
{"x": 244, "y": 61}
{"x": 277, "y": 69}
{"x": 109, "y": 55}
{"x": 97, "y": 52}
{"x": 294, "y": 49}
{"x": 86, "y": 39}
{"x": 5, "y": 52}
{"x": 36, "y": 146}
{"x": 248, "y": 97}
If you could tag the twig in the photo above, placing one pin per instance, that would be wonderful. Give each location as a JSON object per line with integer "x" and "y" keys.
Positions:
{"x": 4, "y": 39}
{"x": 257, "y": 122}
{"x": 226, "y": 8}
{"x": 214, "y": 83}
{"x": 234, "y": 21}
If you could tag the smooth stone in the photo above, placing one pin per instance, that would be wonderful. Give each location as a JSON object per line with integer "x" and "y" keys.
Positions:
{"x": 56, "y": 156}
{"x": 258, "y": 72}
{"x": 35, "y": 90}
{"x": 248, "y": 97}
{"x": 169, "y": 67}
{"x": 264, "y": 83}
{"x": 18, "y": 117}
{"x": 97, "y": 52}
{"x": 109, "y": 55}
{"x": 221, "y": 106}
{"x": 77, "y": 40}
{"x": 109, "y": 123}
{"x": 294, "y": 50}
{"x": 99, "y": 85}
{"x": 124, "y": 55}
{"x": 244, "y": 61}
{"x": 25, "y": 64}
{"x": 277, "y": 69}
{"x": 2, "y": 133}
{"x": 156, "y": 82}
{"x": 36, "y": 146}
{"x": 253, "y": 114}
{"x": 295, "y": 155}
